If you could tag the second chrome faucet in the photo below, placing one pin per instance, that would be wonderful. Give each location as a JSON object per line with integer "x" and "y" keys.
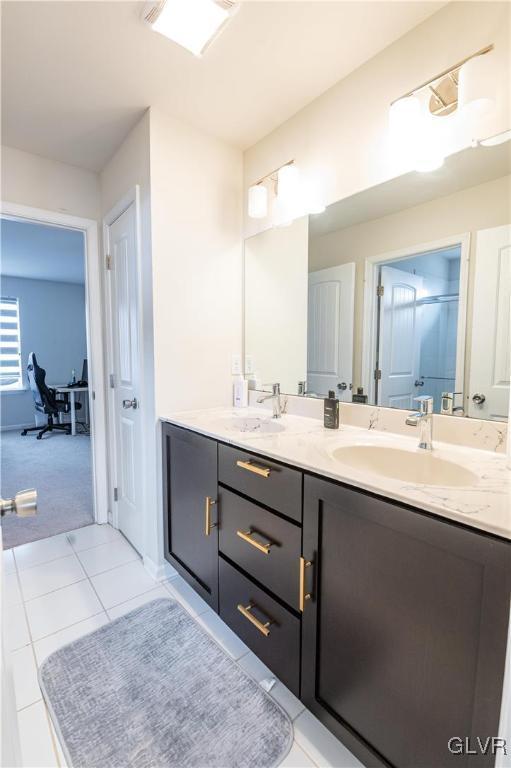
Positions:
{"x": 424, "y": 418}
{"x": 275, "y": 397}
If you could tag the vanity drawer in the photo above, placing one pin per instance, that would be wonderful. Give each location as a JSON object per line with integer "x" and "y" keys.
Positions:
{"x": 278, "y": 643}
{"x": 262, "y": 479}
{"x": 277, "y": 566}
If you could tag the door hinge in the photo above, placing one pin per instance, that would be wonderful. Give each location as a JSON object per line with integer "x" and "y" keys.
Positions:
{"x": 108, "y": 261}
{"x": 116, "y": 494}
{"x": 380, "y": 290}
{"x": 112, "y": 381}
{"x": 377, "y": 374}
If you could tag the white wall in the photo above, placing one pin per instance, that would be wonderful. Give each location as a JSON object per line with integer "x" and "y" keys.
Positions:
{"x": 41, "y": 183}
{"x": 196, "y": 239}
{"x": 276, "y": 285}
{"x": 190, "y": 192}
{"x": 345, "y": 131}
{"x": 52, "y": 324}
{"x": 130, "y": 167}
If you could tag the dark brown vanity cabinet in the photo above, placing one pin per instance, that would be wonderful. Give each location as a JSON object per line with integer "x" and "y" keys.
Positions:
{"x": 402, "y": 640}
{"x": 404, "y": 636}
{"x": 190, "y": 471}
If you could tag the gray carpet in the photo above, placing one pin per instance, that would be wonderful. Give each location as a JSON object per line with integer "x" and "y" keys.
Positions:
{"x": 59, "y": 467}
{"x": 152, "y": 689}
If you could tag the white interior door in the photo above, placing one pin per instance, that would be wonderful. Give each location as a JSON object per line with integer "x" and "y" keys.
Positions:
{"x": 330, "y": 330}
{"x": 490, "y": 357}
{"x": 399, "y": 338}
{"x": 125, "y": 357}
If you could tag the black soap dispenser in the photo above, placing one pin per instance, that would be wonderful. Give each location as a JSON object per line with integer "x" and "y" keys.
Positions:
{"x": 331, "y": 411}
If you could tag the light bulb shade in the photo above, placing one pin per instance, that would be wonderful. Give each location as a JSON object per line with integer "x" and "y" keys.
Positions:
{"x": 258, "y": 201}
{"x": 476, "y": 86}
{"x": 288, "y": 200}
{"x": 404, "y": 121}
{"x": 191, "y": 23}
{"x": 417, "y": 136}
{"x": 431, "y": 143}
{"x": 314, "y": 192}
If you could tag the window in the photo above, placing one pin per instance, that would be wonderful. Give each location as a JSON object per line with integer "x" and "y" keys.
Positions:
{"x": 10, "y": 345}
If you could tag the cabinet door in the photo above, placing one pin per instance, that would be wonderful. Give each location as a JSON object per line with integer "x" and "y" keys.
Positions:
{"x": 404, "y": 638}
{"x": 190, "y": 479}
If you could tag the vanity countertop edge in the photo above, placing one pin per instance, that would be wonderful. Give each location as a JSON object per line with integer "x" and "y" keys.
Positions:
{"x": 307, "y": 445}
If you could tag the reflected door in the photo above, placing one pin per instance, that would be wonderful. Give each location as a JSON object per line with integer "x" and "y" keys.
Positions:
{"x": 330, "y": 331}
{"x": 399, "y": 338}
{"x": 490, "y": 358}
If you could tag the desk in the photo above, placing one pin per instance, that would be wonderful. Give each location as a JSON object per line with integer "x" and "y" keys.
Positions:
{"x": 71, "y": 392}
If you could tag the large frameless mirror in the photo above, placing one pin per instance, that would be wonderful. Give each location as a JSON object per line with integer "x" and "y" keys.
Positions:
{"x": 400, "y": 291}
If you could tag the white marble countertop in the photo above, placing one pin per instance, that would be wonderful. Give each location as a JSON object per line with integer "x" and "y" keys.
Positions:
{"x": 305, "y": 443}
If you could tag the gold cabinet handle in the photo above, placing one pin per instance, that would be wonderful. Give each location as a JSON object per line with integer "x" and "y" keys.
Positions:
{"x": 245, "y": 611}
{"x": 303, "y": 595}
{"x": 255, "y": 468}
{"x": 247, "y": 536}
{"x": 208, "y": 525}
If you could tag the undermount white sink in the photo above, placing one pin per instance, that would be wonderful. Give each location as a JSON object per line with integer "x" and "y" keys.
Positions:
{"x": 255, "y": 425}
{"x": 419, "y": 467}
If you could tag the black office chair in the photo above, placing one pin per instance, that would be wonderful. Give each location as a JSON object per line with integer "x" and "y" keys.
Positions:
{"x": 46, "y": 400}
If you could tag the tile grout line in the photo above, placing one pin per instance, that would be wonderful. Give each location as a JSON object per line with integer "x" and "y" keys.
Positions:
{"x": 32, "y": 649}
{"x": 73, "y": 552}
{"x": 86, "y": 577}
{"x": 32, "y": 645}
{"x": 163, "y": 583}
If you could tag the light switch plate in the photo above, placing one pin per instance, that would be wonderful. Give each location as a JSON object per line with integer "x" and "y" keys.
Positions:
{"x": 236, "y": 364}
{"x": 249, "y": 364}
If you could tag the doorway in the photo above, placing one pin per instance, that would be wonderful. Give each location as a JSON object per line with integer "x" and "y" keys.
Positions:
{"x": 417, "y": 317}
{"x": 126, "y": 407}
{"x": 331, "y": 304}
{"x": 49, "y": 364}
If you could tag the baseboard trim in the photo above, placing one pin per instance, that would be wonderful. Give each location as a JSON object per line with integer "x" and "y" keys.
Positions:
{"x": 159, "y": 572}
{"x": 14, "y": 427}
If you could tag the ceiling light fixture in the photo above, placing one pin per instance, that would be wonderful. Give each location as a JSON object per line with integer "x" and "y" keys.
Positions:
{"x": 193, "y": 24}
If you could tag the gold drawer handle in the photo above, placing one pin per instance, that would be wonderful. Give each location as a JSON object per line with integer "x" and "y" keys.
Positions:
{"x": 264, "y": 629}
{"x": 247, "y": 536}
{"x": 303, "y": 595}
{"x": 208, "y": 525}
{"x": 255, "y": 468}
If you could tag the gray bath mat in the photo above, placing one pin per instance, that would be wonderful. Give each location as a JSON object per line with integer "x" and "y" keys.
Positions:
{"x": 153, "y": 690}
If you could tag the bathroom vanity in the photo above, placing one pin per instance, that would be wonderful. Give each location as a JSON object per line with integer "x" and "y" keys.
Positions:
{"x": 387, "y": 616}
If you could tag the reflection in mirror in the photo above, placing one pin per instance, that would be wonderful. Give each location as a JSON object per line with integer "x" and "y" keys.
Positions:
{"x": 416, "y": 330}
{"x": 276, "y": 306}
{"x": 400, "y": 291}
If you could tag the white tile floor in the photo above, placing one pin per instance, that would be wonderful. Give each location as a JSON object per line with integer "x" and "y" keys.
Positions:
{"x": 65, "y": 586}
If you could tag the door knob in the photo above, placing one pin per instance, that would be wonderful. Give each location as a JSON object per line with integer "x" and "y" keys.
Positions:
{"x": 419, "y": 382}
{"x": 342, "y": 386}
{"x": 24, "y": 504}
{"x": 478, "y": 399}
{"x": 130, "y": 403}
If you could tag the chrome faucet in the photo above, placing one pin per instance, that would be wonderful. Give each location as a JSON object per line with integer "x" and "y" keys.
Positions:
{"x": 447, "y": 407}
{"x": 275, "y": 396}
{"x": 424, "y": 418}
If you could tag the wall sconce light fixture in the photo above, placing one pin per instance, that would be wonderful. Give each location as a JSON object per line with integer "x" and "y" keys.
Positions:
{"x": 292, "y": 194}
{"x": 418, "y": 131}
